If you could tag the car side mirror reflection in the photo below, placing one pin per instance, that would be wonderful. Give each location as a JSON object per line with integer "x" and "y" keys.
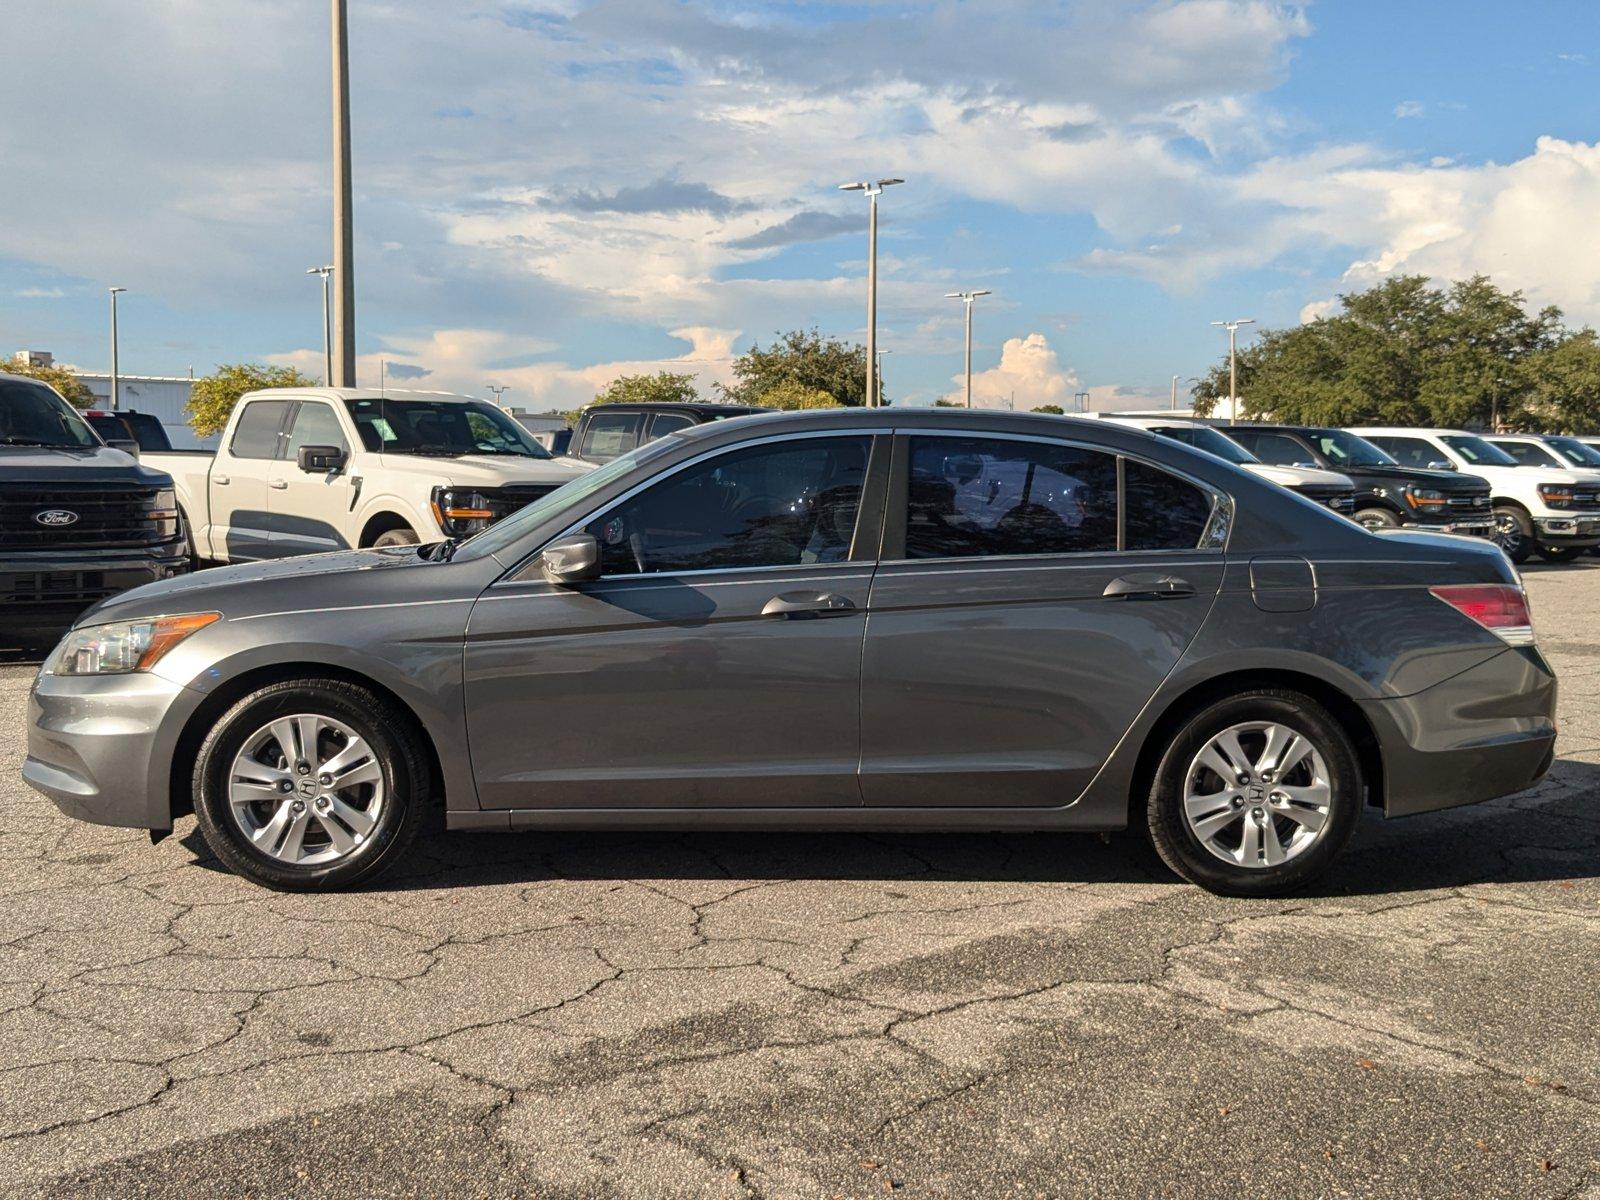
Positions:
{"x": 571, "y": 560}
{"x": 319, "y": 458}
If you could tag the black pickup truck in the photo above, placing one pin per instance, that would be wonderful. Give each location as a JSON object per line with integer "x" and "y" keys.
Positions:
{"x": 1388, "y": 496}
{"x": 79, "y": 521}
{"x": 606, "y": 431}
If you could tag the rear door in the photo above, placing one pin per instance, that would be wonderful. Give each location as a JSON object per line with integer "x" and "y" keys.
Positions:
{"x": 309, "y": 509}
{"x": 1022, "y": 617}
{"x": 241, "y": 526}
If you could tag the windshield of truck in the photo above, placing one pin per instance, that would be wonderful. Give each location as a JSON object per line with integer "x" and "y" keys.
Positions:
{"x": 440, "y": 427}
{"x": 1203, "y": 437}
{"x": 1476, "y": 451}
{"x": 1575, "y": 452}
{"x": 32, "y": 414}
{"x": 1347, "y": 450}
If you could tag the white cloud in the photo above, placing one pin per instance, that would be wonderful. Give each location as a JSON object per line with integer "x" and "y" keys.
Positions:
{"x": 1028, "y": 375}
{"x": 1409, "y": 110}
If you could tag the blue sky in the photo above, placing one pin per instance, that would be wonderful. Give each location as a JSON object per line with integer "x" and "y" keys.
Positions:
{"x": 552, "y": 192}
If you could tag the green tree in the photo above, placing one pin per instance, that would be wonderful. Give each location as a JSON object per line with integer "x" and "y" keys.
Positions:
{"x": 212, "y": 398}
{"x": 1055, "y": 410}
{"x": 663, "y": 387}
{"x": 801, "y": 357}
{"x": 791, "y": 394}
{"x": 64, "y": 381}
{"x": 1564, "y": 385}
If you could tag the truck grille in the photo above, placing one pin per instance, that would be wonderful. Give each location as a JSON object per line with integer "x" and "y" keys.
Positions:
{"x": 1341, "y": 501}
{"x": 1476, "y": 503}
{"x": 101, "y": 516}
{"x": 1585, "y": 497}
{"x": 503, "y": 501}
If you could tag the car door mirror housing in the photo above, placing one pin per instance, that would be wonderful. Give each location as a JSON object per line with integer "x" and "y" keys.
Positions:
{"x": 1440, "y": 464}
{"x": 319, "y": 458}
{"x": 571, "y": 560}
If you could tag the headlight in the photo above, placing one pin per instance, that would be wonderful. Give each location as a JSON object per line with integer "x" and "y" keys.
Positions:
{"x": 1556, "y": 495}
{"x": 124, "y": 646}
{"x": 1424, "y": 498}
{"x": 163, "y": 512}
{"x": 461, "y": 511}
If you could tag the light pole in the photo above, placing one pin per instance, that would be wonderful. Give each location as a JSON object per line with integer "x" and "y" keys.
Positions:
{"x": 344, "y": 296}
{"x": 499, "y": 389}
{"x": 114, "y": 292}
{"x": 873, "y": 189}
{"x": 1233, "y": 327}
{"x": 1174, "y": 404}
{"x": 879, "y": 384}
{"x": 327, "y": 333}
{"x": 967, "y": 298}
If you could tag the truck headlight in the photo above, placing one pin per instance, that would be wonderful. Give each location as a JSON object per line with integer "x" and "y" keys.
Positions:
{"x": 162, "y": 512}
{"x": 461, "y": 512}
{"x": 1556, "y": 495}
{"x": 1425, "y": 498}
{"x": 121, "y": 647}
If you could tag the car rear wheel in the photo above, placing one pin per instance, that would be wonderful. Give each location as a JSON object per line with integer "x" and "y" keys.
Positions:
{"x": 1377, "y": 518}
{"x": 310, "y": 785}
{"x": 1561, "y": 554}
{"x": 1513, "y": 533}
{"x": 1255, "y": 794}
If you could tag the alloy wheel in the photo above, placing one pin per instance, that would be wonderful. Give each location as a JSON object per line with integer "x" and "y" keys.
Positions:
{"x": 1507, "y": 532}
{"x": 1257, "y": 794}
{"x": 306, "y": 789}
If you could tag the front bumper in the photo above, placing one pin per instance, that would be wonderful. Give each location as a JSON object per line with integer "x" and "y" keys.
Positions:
{"x": 1577, "y": 529}
{"x": 102, "y": 747}
{"x": 46, "y": 589}
{"x": 1487, "y": 732}
{"x": 1474, "y": 527}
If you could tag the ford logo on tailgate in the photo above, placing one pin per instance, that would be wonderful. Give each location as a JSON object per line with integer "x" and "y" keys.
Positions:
{"x": 56, "y": 518}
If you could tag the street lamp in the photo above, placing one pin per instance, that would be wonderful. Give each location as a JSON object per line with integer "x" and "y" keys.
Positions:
{"x": 873, "y": 189}
{"x": 499, "y": 389}
{"x": 967, "y": 298}
{"x": 114, "y": 292}
{"x": 344, "y": 307}
{"x": 879, "y": 384}
{"x": 1233, "y": 327}
{"x": 327, "y": 331}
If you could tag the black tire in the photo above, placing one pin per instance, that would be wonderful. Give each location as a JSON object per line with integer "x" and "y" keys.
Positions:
{"x": 1377, "y": 518}
{"x": 1182, "y": 850}
{"x": 404, "y": 536}
{"x": 389, "y": 732}
{"x": 1562, "y": 554}
{"x": 1513, "y": 532}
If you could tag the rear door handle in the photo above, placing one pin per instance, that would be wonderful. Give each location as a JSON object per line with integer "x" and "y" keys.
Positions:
{"x": 1149, "y": 586}
{"x": 280, "y": 484}
{"x": 807, "y": 604}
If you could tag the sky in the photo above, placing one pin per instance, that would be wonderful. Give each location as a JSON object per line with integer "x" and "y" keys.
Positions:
{"x": 550, "y": 193}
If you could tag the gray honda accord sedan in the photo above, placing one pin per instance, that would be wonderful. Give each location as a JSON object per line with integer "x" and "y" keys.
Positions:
{"x": 883, "y": 619}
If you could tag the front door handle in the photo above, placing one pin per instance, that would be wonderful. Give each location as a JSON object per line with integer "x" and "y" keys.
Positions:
{"x": 278, "y": 484}
{"x": 807, "y": 604}
{"x": 1148, "y": 586}
{"x": 222, "y": 479}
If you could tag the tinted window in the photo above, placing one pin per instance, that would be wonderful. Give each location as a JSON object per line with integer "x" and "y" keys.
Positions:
{"x": 1476, "y": 451}
{"x": 1343, "y": 449}
{"x": 1161, "y": 511}
{"x": 1203, "y": 437}
{"x": 33, "y": 414}
{"x": 141, "y": 428}
{"x": 1277, "y": 449}
{"x": 664, "y": 423}
{"x": 1575, "y": 452}
{"x": 315, "y": 425}
{"x": 609, "y": 434}
{"x": 782, "y": 504}
{"x": 979, "y": 496}
{"x": 1528, "y": 454}
{"x": 256, "y": 434}
{"x": 1408, "y": 452}
{"x": 440, "y": 427}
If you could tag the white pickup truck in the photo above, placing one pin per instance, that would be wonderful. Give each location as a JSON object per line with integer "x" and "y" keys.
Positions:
{"x": 1554, "y": 510}
{"x": 304, "y": 470}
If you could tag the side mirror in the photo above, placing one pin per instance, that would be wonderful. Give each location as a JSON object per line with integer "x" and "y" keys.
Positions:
{"x": 570, "y": 560}
{"x": 1440, "y": 464}
{"x": 317, "y": 459}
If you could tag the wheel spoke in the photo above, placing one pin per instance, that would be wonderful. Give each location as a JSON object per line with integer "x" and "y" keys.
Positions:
{"x": 308, "y": 727}
{"x": 351, "y": 753}
{"x": 269, "y": 834}
{"x": 1212, "y": 759}
{"x": 1250, "y": 846}
{"x": 248, "y": 791}
{"x": 251, "y": 771}
{"x": 1271, "y": 848}
{"x": 359, "y": 820}
{"x": 295, "y": 835}
{"x": 367, "y": 772}
{"x": 1227, "y": 744}
{"x": 287, "y": 735}
{"x": 1284, "y": 750}
{"x": 343, "y": 843}
{"x": 1308, "y": 805}
{"x": 1207, "y": 827}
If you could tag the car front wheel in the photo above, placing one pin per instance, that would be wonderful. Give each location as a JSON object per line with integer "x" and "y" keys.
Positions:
{"x": 1255, "y": 794}
{"x": 310, "y": 785}
{"x": 1513, "y": 533}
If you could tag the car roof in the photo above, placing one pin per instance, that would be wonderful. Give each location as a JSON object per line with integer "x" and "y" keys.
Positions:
{"x": 698, "y": 407}
{"x": 332, "y": 393}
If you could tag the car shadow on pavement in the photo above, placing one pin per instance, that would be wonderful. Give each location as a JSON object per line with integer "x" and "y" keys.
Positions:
{"x": 1548, "y": 835}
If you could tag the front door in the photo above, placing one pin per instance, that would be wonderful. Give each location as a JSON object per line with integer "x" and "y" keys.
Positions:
{"x": 716, "y": 662}
{"x": 1022, "y": 619}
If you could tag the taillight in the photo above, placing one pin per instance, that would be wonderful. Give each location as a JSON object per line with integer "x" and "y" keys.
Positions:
{"x": 1501, "y": 608}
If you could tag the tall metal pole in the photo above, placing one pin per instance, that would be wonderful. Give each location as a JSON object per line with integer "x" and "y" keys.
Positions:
{"x": 967, "y": 298}
{"x": 344, "y": 294}
{"x": 1174, "y": 405}
{"x": 1233, "y": 327}
{"x": 327, "y": 332}
{"x": 114, "y": 389}
{"x": 873, "y": 189}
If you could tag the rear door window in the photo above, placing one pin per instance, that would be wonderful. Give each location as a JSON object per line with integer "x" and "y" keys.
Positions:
{"x": 1161, "y": 511}
{"x": 664, "y": 423}
{"x": 257, "y": 434}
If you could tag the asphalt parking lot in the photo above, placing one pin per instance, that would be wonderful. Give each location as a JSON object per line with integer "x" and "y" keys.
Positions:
{"x": 814, "y": 1016}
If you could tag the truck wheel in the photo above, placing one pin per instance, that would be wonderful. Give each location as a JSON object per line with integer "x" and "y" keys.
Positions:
{"x": 1561, "y": 554}
{"x": 1513, "y": 532}
{"x": 1377, "y": 518}
{"x": 403, "y": 536}
{"x": 310, "y": 785}
{"x": 1255, "y": 794}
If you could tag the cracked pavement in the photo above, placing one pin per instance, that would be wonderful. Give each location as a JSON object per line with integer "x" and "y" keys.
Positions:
{"x": 777, "y": 1014}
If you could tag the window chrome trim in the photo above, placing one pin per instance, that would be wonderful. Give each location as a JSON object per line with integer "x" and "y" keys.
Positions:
{"x": 518, "y": 573}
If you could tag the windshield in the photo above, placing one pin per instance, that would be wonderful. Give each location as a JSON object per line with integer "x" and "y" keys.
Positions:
{"x": 1574, "y": 451}
{"x": 444, "y": 427}
{"x": 1203, "y": 437}
{"x": 1477, "y": 451}
{"x": 1347, "y": 450}
{"x": 32, "y": 414}
{"x": 569, "y": 495}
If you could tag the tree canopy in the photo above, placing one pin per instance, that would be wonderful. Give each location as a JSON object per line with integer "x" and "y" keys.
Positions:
{"x": 792, "y": 394}
{"x": 212, "y": 398}
{"x": 1408, "y": 353}
{"x": 802, "y": 358}
{"x": 663, "y": 387}
{"x": 64, "y": 381}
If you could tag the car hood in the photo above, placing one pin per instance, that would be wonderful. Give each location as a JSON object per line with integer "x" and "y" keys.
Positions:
{"x": 487, "y": 470}
{"x": 91, "y": 464}
{"x": 1444, "y": 481}
{"x": 1299, "y": 476}
{"x": 1539, "y": 474}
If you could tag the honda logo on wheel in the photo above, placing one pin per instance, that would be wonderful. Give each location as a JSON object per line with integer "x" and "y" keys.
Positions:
{"x": 56, "y": 517}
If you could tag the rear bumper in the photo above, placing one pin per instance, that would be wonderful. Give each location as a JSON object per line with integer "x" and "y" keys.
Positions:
{"x": 1487, "y": 732}
{"x": 47, "y": 589}
{"x": 102, "y": 748}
